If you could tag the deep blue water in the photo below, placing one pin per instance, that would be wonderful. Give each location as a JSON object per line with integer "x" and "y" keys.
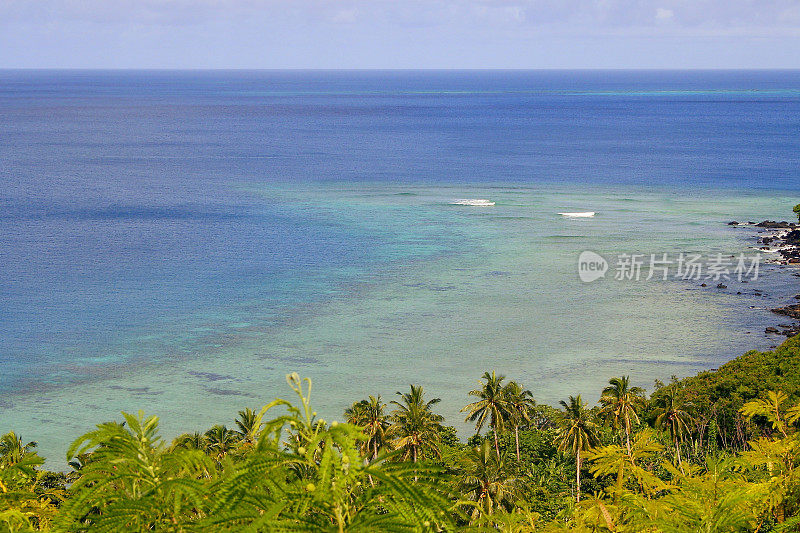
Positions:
{"x": 127, "y": 197}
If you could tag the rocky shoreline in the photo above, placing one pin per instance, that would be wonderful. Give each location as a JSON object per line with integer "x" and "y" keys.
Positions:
{"x": 780, "y": 241}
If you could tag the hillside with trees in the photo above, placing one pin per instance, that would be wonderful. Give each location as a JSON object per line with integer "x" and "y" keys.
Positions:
{"x": 716, "y": 452}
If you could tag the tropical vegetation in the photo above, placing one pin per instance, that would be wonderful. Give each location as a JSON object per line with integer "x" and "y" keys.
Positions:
{"x": 716, "y": 452}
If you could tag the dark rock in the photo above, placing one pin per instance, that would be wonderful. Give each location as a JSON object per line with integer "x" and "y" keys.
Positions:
{"x": 771, "y": 224}
{"x": 772, "y": 330}
{"x": 703, "y": 285}
{"x": 722, "y": 286}
{"x": 793, "y": 237}
{"x": 792, "y": 311}
{"x": 733, "y": 223}
{"x": 738, "y": 292}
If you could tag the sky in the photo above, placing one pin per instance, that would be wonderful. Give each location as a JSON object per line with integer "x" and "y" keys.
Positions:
{"x": 401, "y": 34}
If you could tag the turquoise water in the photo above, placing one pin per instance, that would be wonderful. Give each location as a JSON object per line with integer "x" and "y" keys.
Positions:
{"x": 179, "y": 242}
{"x": 488, "y": 288}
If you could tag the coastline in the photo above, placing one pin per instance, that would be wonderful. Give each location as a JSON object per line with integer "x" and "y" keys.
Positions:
{"x": 440, "y": 323}
{"x": 780, "y": 242}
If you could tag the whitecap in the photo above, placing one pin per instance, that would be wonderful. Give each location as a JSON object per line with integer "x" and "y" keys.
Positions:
{"x": 582, "y": 214}
{"x": 477, "y": 202}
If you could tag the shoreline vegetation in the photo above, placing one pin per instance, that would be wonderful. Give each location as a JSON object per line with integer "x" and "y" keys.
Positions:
{"x": 714, "y": 452}
{"x": 719, "y": 451}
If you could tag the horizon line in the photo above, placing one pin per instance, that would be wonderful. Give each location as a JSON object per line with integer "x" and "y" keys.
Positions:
{"x": 421, "y": 69}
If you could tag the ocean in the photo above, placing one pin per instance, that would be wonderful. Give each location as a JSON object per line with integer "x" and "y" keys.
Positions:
{"x": 178, "y": 241}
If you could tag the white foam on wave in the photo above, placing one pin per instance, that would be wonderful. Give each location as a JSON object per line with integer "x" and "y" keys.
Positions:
{"x": 478, "y": 202}
{"x": 582, "y": 214}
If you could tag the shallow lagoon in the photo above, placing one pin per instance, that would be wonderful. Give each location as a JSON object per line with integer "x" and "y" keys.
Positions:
{"x": 492, "y": 288}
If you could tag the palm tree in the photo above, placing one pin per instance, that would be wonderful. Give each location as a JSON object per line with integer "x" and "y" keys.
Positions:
{"x": 370, "y": 415}
{"x": 578, "y": 434}
{"x": 485, "y": 481}
{"x": 133, "y": 482}
{"x": 191, "y": 441}
{"x": 12, "y": 449}
{"x": 249, "y": 424}
{"x": 671, "y": 416}
{"x": 519, "y": 402}
{"x": 220, "y": 440}
{"x": 620, "y": 402}
{"x": 415, "y": 427}
{"x": 492, "y": 406}
{"x": 259, "y": 496}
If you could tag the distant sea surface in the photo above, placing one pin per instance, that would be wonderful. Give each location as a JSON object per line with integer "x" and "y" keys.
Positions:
{"x": 179, "y": 241}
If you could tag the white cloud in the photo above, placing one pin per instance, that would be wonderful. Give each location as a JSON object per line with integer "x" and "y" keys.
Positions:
{"x": 663, "y": 15}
